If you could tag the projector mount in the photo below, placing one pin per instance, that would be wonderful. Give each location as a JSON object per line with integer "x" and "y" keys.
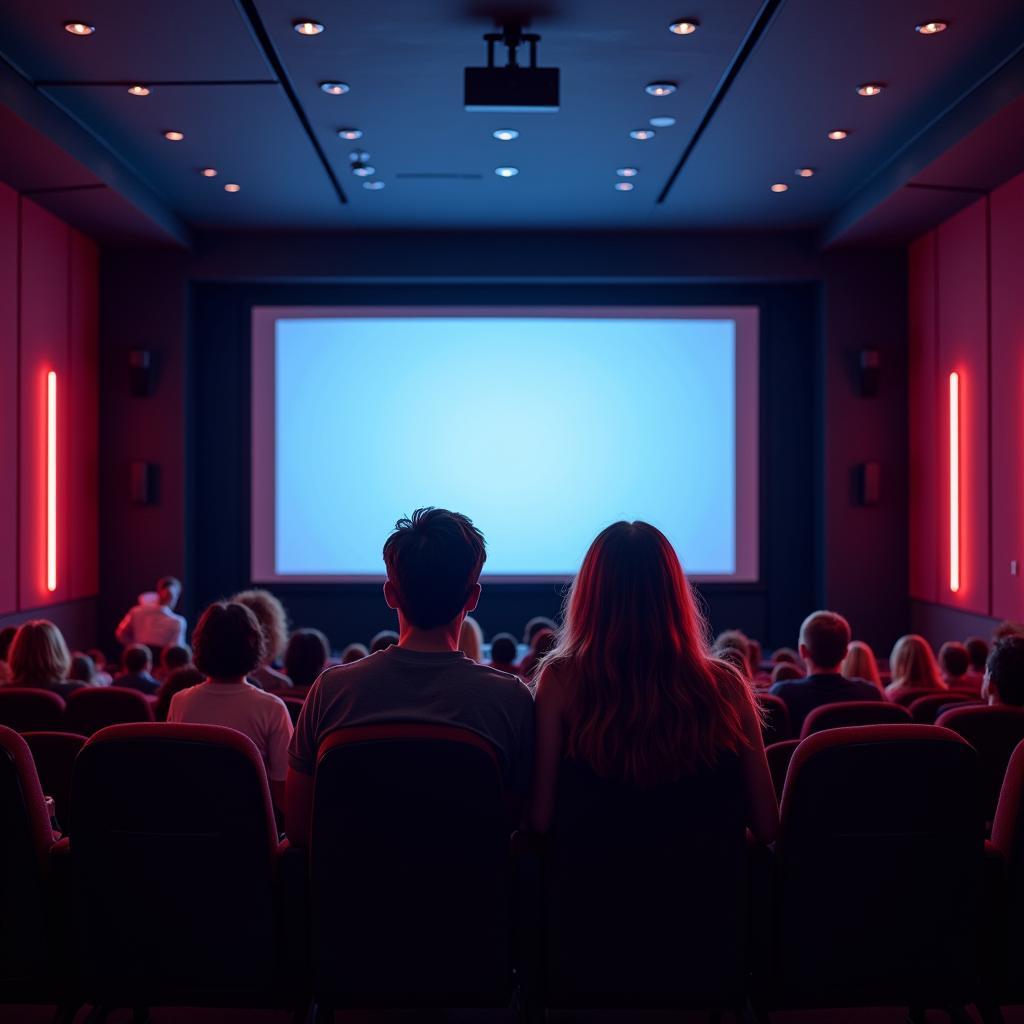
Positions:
{"x": 512, "y": 37}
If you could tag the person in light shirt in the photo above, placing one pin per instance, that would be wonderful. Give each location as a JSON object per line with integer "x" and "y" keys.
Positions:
{"x": 155, "y": 623}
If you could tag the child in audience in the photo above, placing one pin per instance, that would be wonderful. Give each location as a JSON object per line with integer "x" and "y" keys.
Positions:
{"x": 137, "y": 663}
{"x": 273, "y": 620}
{"x": 39, "y": 657}
{"x": 471, "y": 639}
{"x": 7, "y": 635}
{"x": 180, "y": 679}
{"x": 630, "y": 691}
{"x": 353, "y": 652}
{"x": 306, "y": 656}
{"x": 1004, "y": 672}
{"x": 913, "y": 667}
{"x": 503, "y": 653}
{"x": 954, "y": 663}
{"x": 82, "y": 669}
{"x": 173, "y": 657}
{"x": 229, "y": 645}
{"x": 99, "y": 659}
{"x": 860, "y": 663}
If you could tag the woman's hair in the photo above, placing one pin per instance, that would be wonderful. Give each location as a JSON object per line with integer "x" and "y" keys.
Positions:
{"x": 306, "y": 655}
{"x": 471, "y": 638}
{"x": 912, "y": 664}
{"x": 180, "y": 679}
{"x": 38, "y": 655}
{"x": 645, "y": 701}
{"x": 228, "y": 641}
{"x": 860, "y": 663}
{"x": 83, "y": 668}
{"x": 354, "y": 652}
{"x": 271, "y": 616}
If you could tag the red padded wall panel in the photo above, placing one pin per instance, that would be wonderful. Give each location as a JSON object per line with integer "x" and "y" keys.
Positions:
{"x": 924, "y": 512}
{"x": 44, "y": 347}
{"x": 83, "y": 527}
{"x": 1007, "y": 241}
{"x": 963, "y": 348}
{"x": 8, "y": 398}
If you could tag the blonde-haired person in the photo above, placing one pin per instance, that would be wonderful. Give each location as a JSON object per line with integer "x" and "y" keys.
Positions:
{"x": 860, "y": 663}
{"x": 40, "y": 658}
{"x": 913, "y": 667}
{"x": 471, "y": 639}
{"x": 273, "y": 620}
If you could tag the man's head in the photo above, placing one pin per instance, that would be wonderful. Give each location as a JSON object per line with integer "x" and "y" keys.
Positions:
{"x": 137, "y": 658}
{"x": 954, "y": 659}
{"x": 824, "y": 637}
{"x": 168, "y": 590}
{"x": 1004, "y": 672}
{"x": 433, "y": 562}
{"x": 977, "y": 648}
{"x": 504, "y": 649}
{"x": 175, "y": 656}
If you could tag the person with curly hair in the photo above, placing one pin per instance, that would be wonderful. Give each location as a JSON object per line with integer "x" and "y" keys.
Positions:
{"x": 273, "y": 620}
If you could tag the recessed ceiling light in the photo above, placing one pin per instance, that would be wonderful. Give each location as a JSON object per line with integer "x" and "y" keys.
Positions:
{"x": 506, "y": 172}
{"x": 506, "y": 134}
{"x": 174, "y": 136}
{"x": 623, "y": 186}
{"x": 660, "y": 88}
{"x": 359, "y": 156}
{"x": 361, "y": 170}
{"x": 308, "y": 28}
{"x": 373, "y": 186}
{"x": 931, "y": 28}
{"x": 350, "y": 134}
{"x": 683, "y": 28}
{"x": 780, "y": 187}
{"x": 209, "y": 172}
{"x": 627, "y": 172}
{"x": 642, "y": 134}
{"x": 662, "y": 122}
{"x": 870, "y": 89}
{"x": 232, "y": 187}
{"x": 79, "y": 28}
{"x": 334, "y": 88}
{"x": 805, "y": 172}
{"x": 139, "y": 90}
{"x": 838, "y": 135}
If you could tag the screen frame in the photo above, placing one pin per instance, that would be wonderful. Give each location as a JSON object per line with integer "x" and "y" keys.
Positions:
{"x": 263, "y": 453}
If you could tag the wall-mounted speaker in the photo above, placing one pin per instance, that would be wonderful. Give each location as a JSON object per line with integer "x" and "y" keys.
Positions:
{"x": 870, "y": 372}
{"x": 141, "y": 372}
{"x": 869, "y": 483}
{"x": 143, "y": 483}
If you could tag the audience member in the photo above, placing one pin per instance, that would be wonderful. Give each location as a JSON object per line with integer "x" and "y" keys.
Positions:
{"x": 273, "y": 620}
{"x": 504, "y": 650}
{"x": 173, "y": 657}
{"x": 1004, "y": 672}
{"x": 433, "y": 562}
{"x": 977, "y": 648}
{"x": 786, "y": 654}
{"x": 39, "y": 657}
{"x": 153, "y": 621}
{"x": 306, "y": 656}
{"x": 383, "y": 640}
{"x": 736, "y": 640}
{"x": 544, "y": 640}
{"x": 353, "y": 652}
{"x": 535, "y": 625}
{"x": 137, "y": 664}
{"x": 82, "y": 669}
{"x": 913, "y": 666}
{"x": 7, "y": 635}
{"x": 230, "y": 644}
{"x": 735, "y": 657}
{"x": 180, "y": 679}
{"x": 785, "y": 670}
{"x": 955, "y": 663}
{"x": 1007, "y": 628}
{"x": 99, "y": 659}
{"x": 860, "y": 663}
{"x": 630, "y": 691}
{"x": 824, "y": 639}
{"x": 471, "y": 639}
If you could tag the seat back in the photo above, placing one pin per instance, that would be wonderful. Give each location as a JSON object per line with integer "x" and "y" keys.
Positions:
{"x": 907, "y": 697}
{"x": 294, "y": 706}
{"x": 173, "y": 847}
{"x": 779, "y": 755}
{"x": 879, "y": 859}
{"x": 27, "y": 709}
{"x": 25, "y": 841}
{"x": 95, "y": 708}
{"x": 994, "y": 732}
{"x": 926, "y": 709}
{"x": 54, "y": 754}
{"x": 645, "y": 892}
{"x": 853, "y": 712}
{"x": 775, "y": 723}
{"x": 409, "y": 869}
{"x": 1007, "y": 926}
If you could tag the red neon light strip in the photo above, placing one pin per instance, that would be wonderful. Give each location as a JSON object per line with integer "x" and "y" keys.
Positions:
{"x": 954, "y": 482}
{"x": 51, "y": 481}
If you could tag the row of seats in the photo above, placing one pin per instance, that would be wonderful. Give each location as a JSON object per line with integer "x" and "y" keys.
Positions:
{"x": 31, "y": 709}
{"x": 172, "y": 887}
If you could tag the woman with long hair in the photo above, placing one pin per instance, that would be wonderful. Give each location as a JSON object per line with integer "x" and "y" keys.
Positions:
{"x": 40, "y": 657}
{"x": 913, "y": 666}
{"x": 860, "y": 663}
{"x": 631, "y": 692}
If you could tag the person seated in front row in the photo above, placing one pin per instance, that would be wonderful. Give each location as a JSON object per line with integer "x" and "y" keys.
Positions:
{"x": 137, "y": 663}
{"x": 503, "y": 653}
{"x": 631, "y": 692}
{"x": 1004, "y": 672}
{"x": 955, "y": 663}
{"x": 433, "y": 562}
{"x": 39, "y": 657}
{"x": 824, "y": 639}
{"x": 229, "y": 644}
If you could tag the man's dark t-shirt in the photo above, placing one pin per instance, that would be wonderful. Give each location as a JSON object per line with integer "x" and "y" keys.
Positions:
{"x": 802, "y": 696}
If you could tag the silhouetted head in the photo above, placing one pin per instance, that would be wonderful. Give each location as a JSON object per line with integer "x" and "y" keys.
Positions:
{"x": 504, "y": 649}
{"x": 82, "y": 669}
{"x": 535, "y": 625}
{"x": 137, "y": 658}
{"x": 38, "y": 656}
{"x": 168, "y": 590}
{"x": 824, "y": 637}
{"x": 977, "y": 648}
{"x": 954, "y": 659}
{"x": 913, "y": 665}
{"x": 785, "y": 670}
{"x": 1004, "y": 671}
{"x": 381, "y": 641}
{"x": 306, "y": 656}
{"x": 228, "y": 641}
{"x": 860, "y": 663}
{"x": 175, "y": 656}
{"x": 271, "y": 616}
{"x": 354, "y": 652}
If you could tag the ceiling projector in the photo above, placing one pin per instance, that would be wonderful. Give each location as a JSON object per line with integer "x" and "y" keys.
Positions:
{"x": 512, "y": 88}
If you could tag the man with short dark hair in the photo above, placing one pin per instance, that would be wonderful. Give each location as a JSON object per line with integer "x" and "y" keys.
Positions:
{"x": 433, "y": 562}
{"x": 954, "y": 661}
{"x": 1004, "y": 672}
{"x": 824, "y": 637}
{"x": 137, "y": 663}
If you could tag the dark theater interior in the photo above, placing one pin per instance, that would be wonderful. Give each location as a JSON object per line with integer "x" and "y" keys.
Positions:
{"x": 512, "y": 511}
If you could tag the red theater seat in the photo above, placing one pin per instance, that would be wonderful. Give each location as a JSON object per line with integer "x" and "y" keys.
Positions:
{"x": 853, "y": 712}
{"x": 779, "y": 756}
{"x": 879, "y": 872}
{"x": 409, "y": 870}
{"x": 26, "y": 709}
{"x": 907, "y": 697}
{"x": 926, "y": 709}
{"x": 174, "y": 853}
{"x": 90, "y": 710}
{"x": 994, "y": 732}
{"x": 54, "y": 754}
{"x": 775, "y": 724}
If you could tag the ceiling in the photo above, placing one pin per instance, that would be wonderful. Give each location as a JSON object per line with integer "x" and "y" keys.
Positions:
{"x": 759, "y": 86}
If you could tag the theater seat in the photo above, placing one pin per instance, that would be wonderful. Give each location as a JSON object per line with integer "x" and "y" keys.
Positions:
{"x": 853, "y": 712}
{"x": 294, "y": 706}
{"x": 54, "y": 754}
{"x": 994, "y": 732}
{"x": 926, "y": 709}
{"x": 90, "y": 710}
{"x": 779, "y": 756}
{"x": 27, "y": 709}
{"x": 879, "y": 872}
{"x": 174, "y": 853}
{"x": 409, "y": 870}
{"x": 775, "y": 723}
{"x": 907, "y": 697}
